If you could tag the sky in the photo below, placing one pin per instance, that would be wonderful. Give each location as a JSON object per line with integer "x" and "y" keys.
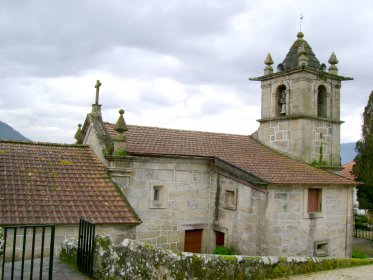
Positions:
{"x": 168, "y": 63}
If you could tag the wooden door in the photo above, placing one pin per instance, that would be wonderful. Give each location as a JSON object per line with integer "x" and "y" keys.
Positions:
{"x": 219, "y": 238}
{"x": 193, "y": 241}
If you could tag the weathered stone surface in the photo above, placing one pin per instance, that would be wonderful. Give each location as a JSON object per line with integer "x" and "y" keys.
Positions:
{"x": 165, "y": 175}
{"x": 136, "y": 260}
{"x": 184, "y": 176}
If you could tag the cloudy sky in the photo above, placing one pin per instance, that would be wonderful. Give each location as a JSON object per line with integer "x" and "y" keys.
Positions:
{"x": 169, "y": 63}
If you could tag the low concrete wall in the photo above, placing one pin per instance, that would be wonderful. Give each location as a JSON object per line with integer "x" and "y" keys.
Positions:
{"x": 137, "y": 260}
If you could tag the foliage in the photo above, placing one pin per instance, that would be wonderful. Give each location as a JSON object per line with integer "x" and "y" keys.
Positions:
{"x": 319, "y": 164}
{"x": 222, "y": 250}
{"x": 120, "y": 153}
{"x": 225, "y": 250}
{"x": 361, "y": 222}
{"x": 359, "y": 255}
{"x": 363, "y": 168}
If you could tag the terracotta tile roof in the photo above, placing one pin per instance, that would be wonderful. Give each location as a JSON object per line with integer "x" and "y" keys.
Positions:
{"x": 347, "y": 171}
{"x": 239, "y": 150}
{"x": 57, "y": 184}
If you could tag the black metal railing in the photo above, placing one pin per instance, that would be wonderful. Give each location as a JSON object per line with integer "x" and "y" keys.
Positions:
{"x": 86, "y": 246}
{"x": 16, "y": 264}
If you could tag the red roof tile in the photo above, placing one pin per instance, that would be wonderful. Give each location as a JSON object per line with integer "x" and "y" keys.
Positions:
{"x": 57, "y": 184}
{"x": 239, "y": 150}
{"x": 347, "y": 171}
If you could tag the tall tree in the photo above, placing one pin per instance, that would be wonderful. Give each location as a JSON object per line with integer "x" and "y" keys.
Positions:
{"x": 363, "y": 168}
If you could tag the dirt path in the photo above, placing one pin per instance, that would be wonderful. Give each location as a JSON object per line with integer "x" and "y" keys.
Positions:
{"x": 364, "y": 272}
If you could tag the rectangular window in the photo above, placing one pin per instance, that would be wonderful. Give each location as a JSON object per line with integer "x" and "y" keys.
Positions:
{"x": 229, "y": 198}
{"x": 314, "y": 200}
{"x": 157, "y": 190}
{"x": 157, "y": 196}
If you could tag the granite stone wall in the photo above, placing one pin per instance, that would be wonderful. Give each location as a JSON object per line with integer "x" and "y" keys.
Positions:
{"x": 292, "y": 231}
{"x": 136, "y": 260}
{"x": 184, "y": 200}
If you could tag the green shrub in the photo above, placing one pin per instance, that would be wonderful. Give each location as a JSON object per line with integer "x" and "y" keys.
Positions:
{"x": 359, "y": 255}
{"x": 120, "y": 153}
{"x": 225, "y": 250}
{"x": 361, "y": 222}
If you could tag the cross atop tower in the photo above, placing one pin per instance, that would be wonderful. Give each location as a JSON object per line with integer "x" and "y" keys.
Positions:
{"x": 97, "y": 86}
{"x": 300, "y": 22}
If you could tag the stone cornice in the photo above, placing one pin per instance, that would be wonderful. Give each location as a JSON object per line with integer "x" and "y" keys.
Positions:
{"x": 294, "y": 117}
{"x": 300, "y": 69}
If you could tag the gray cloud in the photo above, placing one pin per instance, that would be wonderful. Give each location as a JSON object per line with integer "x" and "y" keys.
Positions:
{"x": 160, "y": 54}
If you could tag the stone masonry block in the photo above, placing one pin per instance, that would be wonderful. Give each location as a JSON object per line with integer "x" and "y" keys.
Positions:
{"x": 166, "y": 226}
{"x": 149, "y": 174}
{"x": 162, "y": 240}
{"x": 149, "y": 234}
{"x": 283, "y": 126}
{"x": 279, "y": 136}
{"x": 145, "y": 164}
{"x": 174, "y": 237}
{"x": 165, "y": 175}
{"x": 183, "y": 195}
{"x": 184, "y": 176}
{"x": 200, "y": 166}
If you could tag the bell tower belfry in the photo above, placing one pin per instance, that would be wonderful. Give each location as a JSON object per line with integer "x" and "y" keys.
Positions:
{"x": 300, "y": 113}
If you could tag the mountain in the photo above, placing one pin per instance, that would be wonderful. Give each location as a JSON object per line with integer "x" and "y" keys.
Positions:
{"x": 8, "y": 133}
{"x": 347, "y": 152}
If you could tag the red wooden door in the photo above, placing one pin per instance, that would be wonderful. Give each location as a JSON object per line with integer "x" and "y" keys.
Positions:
{"x": 219, "y": 241}
{"x": 193, "y": 241}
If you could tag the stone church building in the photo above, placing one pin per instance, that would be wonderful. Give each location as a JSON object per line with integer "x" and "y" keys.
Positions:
{"x": 276, "y": 192}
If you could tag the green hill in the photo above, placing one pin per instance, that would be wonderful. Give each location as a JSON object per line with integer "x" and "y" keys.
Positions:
{"x": 8, "y": 133}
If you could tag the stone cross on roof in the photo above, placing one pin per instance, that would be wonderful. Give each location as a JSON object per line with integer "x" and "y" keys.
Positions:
{"x": 97, "y": 86}
{"x": 300, "y": 23}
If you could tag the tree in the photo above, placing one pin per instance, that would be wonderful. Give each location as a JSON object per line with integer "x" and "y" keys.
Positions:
{"x": 363, "y": 168}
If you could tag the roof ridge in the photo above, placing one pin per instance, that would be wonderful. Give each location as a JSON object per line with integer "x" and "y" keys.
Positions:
{"x": 184, "y": 130}
{"x": 45, "y": 144}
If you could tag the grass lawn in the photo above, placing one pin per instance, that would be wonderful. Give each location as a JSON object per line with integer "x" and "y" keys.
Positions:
{"x": 363, "y": 247}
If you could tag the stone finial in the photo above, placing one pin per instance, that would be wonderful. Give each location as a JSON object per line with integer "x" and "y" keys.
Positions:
{"x": 333, "y": 61}
{"x": 96, "y": 108}
{"x": 120, "y": 139}
{"x": 300, "y": 35}
{"x": 303, "y": 55}
{"x": 78, "y": 134}
{"x": 120, "y": 126}
{"x": 268, "y": 61}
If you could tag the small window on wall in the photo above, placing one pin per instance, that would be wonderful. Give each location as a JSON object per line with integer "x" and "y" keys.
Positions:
{"x": 156, "y": 193}
{"x": 229, "y": 198}
{"x": 157, "y": 197}
{"x": 314, "y": 200}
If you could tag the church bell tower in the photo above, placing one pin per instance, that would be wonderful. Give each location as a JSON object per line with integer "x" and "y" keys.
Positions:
{"x": 300, "y": 114}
